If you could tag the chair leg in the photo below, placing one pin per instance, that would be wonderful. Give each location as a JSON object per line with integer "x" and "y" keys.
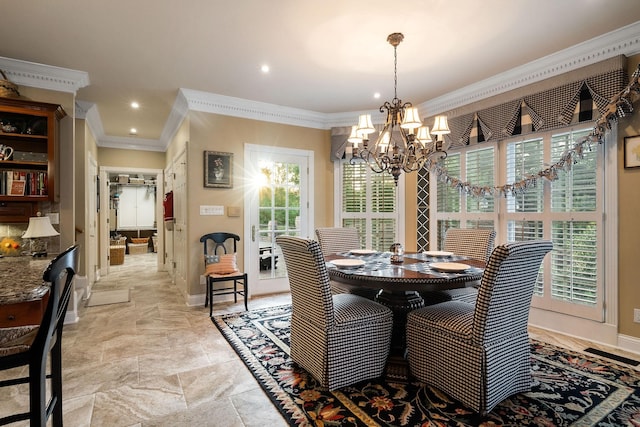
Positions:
{"x": 235, "y": 291}
{"x": 56, "y": 380}
{"x": 37, "y": 392}
{"x": 210, "y": 293}
{"x": 244, "y": 283}
{"x": 206, "y": 293}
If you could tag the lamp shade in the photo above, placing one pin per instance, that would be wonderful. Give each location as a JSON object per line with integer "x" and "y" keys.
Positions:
{"x": 440, "y": 126}
{"x": 365, "y": 127}
{"x": 39, "y": 226}
{"x": 423, "y": 134}
{"x": 355, "y": 137}
{"x": 411, "y": 119}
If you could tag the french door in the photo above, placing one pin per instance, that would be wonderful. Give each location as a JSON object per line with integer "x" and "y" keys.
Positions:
{"x": 279, "y": 189}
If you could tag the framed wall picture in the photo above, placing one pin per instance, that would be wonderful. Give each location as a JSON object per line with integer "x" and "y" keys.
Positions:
{"x": 632, "y": 152}
{"x": 218, "y": 169}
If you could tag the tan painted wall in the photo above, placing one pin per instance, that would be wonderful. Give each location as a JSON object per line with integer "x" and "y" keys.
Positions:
{"x": 628, "y": 224}
{"x": 114, "y": 157}
{"x": 80, "y": 174}
{"x": 214, "y": 132}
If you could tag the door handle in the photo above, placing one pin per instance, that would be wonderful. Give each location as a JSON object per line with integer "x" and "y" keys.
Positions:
{"x": 253, "y": 233}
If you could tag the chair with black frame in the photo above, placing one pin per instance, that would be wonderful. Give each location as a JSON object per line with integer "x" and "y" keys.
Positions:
{"x": 221, "y": 266}
{"x": 30, "y": 346}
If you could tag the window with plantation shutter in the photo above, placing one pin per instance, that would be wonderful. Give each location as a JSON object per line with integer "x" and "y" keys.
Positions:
{"x": 479, "y": 170}
{"x": 575, "y": 227}
{"x": 524, "y": 209}
{"x": 454, "y": 210}
{"x": 525, "y": 159}
{"x": 568, "y": 211}
{"x": 369, "y": 202}
{"x": 448, "y": 199}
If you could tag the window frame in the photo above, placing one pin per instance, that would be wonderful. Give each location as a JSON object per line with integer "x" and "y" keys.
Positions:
{"x": 606, "y": 194}
{"x": 399, "y": 214}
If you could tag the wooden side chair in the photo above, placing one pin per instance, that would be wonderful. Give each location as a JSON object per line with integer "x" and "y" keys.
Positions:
{"x": 31, "y": 346}
{"x": 221, "y": 266}
{"x": 479, "y": 354}
{"x": 339, "y": 339}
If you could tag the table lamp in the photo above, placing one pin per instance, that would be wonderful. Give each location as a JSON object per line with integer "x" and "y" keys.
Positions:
{"x": 39, "y": 226}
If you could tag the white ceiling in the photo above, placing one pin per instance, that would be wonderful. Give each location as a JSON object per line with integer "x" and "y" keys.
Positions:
{"x": 326, "y": 56}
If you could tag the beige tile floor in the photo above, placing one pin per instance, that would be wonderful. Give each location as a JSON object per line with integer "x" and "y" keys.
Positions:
{"x": 154, "y": 361}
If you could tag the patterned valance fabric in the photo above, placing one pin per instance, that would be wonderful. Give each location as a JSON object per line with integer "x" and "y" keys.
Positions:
{"x": 577, "y": 96}
{"x": 581, "y": 100}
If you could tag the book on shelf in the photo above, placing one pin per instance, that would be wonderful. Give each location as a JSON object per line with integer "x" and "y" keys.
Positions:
{"x": 17, "y": 188}
{"x": 33, "y": 183}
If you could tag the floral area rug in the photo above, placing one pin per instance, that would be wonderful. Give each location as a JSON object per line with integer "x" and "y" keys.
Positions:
{"x": 570, "y": 388}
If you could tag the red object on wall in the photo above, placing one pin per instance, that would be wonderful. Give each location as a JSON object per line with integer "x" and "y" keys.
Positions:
{"x": 167, "y": 206}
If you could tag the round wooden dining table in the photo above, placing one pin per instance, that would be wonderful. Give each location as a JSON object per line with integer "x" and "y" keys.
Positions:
{"x": 401, "y": 286}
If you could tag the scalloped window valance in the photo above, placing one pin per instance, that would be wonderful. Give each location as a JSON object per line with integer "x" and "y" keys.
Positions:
{"x": 578, "y": 96}
{"x": 574, "y": 97}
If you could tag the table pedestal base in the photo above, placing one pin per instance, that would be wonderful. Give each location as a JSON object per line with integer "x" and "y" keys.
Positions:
{"x": 401, "y": 303}
{"x": 397, "y": 370}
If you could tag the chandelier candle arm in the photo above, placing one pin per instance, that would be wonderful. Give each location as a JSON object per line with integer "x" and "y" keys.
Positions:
{"x": 404, "y": 144}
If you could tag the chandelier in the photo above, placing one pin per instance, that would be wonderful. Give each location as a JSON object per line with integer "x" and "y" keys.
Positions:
{"x": 403, "y": 144}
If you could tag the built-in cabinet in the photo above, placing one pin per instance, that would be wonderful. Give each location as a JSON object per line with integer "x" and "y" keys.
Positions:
{"x": 28, "y": 141}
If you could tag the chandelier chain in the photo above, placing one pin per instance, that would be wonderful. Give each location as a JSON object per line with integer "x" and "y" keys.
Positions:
{"x": 395, "y": 72}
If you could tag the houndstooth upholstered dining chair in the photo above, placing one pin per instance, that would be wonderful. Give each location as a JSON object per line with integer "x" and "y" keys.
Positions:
{"x": 342, "y": 239}
{"x": 476, "y": 243}
{"x": 339, "y": 339}
{"x": 337, "y": 239}
{"x": 479, "y": 354}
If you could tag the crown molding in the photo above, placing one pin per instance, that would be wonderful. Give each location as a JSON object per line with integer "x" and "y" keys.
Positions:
{"x": 244, "y": 108}
{"x": 44, "y": 76}
{"x": 623, "y": 41}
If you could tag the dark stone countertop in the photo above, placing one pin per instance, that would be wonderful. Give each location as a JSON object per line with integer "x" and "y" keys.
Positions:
{"x": 21, "y": 279}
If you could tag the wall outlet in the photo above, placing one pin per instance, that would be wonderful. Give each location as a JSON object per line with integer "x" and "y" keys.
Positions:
{"x": 636, "y": 315}
{"x": 203, "y": 280}
{"x": 211, "y": 210}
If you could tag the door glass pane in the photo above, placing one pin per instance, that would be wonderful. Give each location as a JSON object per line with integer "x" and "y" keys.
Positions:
{"x": 279, "y": 213}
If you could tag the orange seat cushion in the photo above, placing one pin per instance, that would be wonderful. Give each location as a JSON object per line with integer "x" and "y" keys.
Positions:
{"x": 226, "y": 265}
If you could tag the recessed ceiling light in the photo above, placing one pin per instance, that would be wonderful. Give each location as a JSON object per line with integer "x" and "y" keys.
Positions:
{"x": 264, "y": 68}
{"x": 376, "y": 95}
{"x": 135, "y": 105}
{"x": 133, "y": 131}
